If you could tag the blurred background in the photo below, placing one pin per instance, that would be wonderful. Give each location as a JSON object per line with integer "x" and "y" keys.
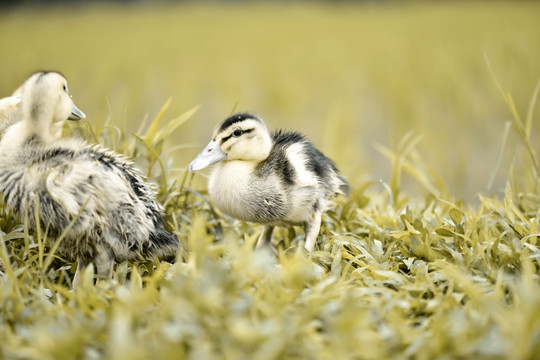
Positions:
{"x": 353, "y": 76}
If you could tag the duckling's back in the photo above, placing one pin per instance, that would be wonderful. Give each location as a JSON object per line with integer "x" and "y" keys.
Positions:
{"x": 161, "y": 243}
{"x": 109, "y": 199}
{"x": 298, "y": 160}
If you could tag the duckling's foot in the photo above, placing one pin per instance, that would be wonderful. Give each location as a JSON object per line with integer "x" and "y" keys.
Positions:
{"x": 104, "y": 262}
{"x": 266, "y": 236}
{"x": 265, "y": 240}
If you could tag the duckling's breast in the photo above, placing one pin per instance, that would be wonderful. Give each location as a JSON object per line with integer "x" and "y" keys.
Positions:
{"x": 237, "y": 191}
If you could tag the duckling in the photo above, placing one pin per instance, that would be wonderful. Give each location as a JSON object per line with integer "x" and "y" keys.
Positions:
{"x": 10, "y": 112}
{"x": 95, "y": 198}
{"x": 276, "y": 178}
{"x": 11, "y": 109}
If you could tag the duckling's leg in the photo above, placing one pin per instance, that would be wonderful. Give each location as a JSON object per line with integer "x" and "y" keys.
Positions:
{"x": 104, "y": 262}
{"x": 266, "y": 236}
{"x": 312, "y": 228}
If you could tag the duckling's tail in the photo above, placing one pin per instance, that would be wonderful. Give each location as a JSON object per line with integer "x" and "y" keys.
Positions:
{"x": 343, "y": 186}
{"x": 164, "y": 245}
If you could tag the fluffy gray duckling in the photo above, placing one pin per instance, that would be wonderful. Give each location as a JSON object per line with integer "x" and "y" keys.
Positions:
{"x": 114, "y": 212}
{"x": 276, "y": 178}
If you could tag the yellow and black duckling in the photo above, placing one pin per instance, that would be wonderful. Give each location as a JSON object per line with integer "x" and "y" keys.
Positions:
{"x": 276, "y": 178}
{"x": 114, "y": 212}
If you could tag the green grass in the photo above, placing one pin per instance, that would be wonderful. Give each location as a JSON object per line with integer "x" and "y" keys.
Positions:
{"x": 404, "y": 268}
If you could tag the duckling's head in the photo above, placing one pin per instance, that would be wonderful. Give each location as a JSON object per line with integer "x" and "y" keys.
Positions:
{"x": 241, "y": 137}
{"x": 47, "y": 104}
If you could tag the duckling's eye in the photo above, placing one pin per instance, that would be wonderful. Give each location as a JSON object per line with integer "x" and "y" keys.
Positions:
{"x": 237, "y": 133}
{"x": 64, "y": 87}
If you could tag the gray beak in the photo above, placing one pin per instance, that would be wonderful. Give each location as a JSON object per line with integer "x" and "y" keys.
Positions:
{"x": 211, "y": 154}
{"x": 76, "y": 114}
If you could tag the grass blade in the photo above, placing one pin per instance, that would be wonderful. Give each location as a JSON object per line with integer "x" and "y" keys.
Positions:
{"x": 152, "y": 131}
{"x": 175, "y": 123}
{"x": 530, "y": 111}
{"x": 155, "y": 157}
{"x": 506, "y": 132}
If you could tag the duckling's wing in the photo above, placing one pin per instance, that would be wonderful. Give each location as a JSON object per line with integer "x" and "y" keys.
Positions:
{"x": 306, "y": 164}
{"x": 290, "y": 159}
{"x": 326, "y": 170}
{"x": 74, "y": 178}
{"x": 145, "y": 217}
{"x": 99, "y": 193}
{"x": 141, "y": 215}
{"x": 72, "y": 186}
{"x": 143, "y": 190}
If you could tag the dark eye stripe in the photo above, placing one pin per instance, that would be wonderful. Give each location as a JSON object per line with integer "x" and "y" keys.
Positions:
{"x": 247, "y": 131}
{"x": 225, "y": 139}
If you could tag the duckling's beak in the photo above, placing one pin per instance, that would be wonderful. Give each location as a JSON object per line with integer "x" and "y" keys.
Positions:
{"x": 211, "y": 154}
{"x": 76, "y": 114}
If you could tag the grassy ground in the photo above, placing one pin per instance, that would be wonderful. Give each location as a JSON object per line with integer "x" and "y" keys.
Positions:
{"x": 403, "y": 269}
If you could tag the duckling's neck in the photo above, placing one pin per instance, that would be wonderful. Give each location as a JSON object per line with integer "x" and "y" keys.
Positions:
{"x": 38, "y": 120}
{"x": 47, "y": 133}
{"x": 230, "y": 185}
{"x": 39, "y": 107}
{"x": 234, "y": 172}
